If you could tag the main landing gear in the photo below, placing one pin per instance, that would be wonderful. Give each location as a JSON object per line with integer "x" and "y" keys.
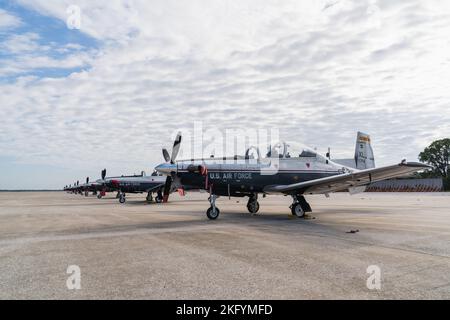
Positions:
{"x": 253, "y": 204}
{"x": 299, "y": 206}
{"x": 149, "y": 197}
{"x": 213, "y": 212}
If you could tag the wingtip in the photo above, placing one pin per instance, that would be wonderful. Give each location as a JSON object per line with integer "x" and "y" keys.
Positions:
{"x": 415, "y": 165}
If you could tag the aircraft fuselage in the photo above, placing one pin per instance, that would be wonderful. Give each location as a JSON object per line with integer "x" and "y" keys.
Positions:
{"x": 243, "y": 177}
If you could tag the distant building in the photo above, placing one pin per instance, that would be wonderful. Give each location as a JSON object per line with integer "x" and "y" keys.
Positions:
{"x": 407, "y": 185}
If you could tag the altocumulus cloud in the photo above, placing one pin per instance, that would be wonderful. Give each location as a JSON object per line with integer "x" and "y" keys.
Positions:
{"x": 317, "y": 70}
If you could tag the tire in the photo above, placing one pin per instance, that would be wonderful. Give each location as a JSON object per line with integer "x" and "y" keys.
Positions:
{"x": 297, "y": 210}
{"x": 122, "y": 199}
{"x": 158, "y": 200}
{"x": 253, "y": 207}
{"x": 99, "y": 196}
{"x": 211, "y": 214}
{"x": 149, "y": 198}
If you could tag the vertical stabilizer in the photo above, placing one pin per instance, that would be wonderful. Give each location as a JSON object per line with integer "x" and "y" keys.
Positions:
{"x": 364, "y": 157}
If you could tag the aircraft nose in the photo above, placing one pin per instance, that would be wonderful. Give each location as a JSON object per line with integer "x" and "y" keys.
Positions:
{"x": 166, "y": 168}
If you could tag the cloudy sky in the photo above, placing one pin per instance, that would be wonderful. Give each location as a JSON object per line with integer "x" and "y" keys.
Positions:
{"x": 111, "y": 93}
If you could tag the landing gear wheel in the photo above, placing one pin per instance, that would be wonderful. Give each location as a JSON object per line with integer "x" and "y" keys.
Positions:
{"x": 122, "y": 198}
{"x": 159, "y": 196}
{"x": 149, "y": 198}
{"x": 297, "y": 210}
{"x": 212, "y": 213}
{"x": 253, "y": 207}
{"x": 99, "y": 196}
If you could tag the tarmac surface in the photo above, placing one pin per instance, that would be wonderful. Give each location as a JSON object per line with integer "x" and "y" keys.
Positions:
{"x": 172, "y": 251}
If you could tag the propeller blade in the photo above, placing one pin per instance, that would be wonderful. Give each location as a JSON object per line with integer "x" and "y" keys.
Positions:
{"x": 166, "y": 155}
{"x": 103, "y": 174}
{"x": 176, "y": 148}
{"x": 167, "y": 187}
{"x": 87, "y": 180}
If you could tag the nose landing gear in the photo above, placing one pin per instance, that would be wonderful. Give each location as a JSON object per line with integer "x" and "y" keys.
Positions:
{"x": 213, "y": 212}
{"x": 122, "y": 198}
{"x": 101, "y": 194}
{"x": 149, "y": 197}
{"x": 159, "y": 198}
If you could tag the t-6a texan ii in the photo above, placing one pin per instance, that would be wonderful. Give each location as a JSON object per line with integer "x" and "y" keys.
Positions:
{"x": 280, "y": 172}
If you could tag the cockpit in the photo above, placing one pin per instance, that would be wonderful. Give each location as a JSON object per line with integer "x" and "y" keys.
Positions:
{"x": 283, "y": 150}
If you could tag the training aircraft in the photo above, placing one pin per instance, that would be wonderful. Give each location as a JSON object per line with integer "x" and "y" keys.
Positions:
{"x": 123, "y": 185}
{"x": 76, "y": 188}
{"x": 97, "y": 187}
{"x": 279, "y": 173}
{"x": 138, "y": 184}
{"x": 72, "y": 188}
{"x": 87, "y": 187}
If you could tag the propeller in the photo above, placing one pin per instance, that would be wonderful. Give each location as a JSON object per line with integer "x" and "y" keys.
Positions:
{"x": 87, "y": 180}
{"x": 102, "y": 183}
{"x": 166, "y": 155}
{"x": 171, "y": 160}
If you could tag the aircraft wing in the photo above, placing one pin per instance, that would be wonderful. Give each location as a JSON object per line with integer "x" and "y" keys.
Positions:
{"x": 155, "y": 187}
{"x": 347, "y": 180}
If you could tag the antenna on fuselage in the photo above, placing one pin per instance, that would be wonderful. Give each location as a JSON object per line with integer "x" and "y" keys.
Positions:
{"x": 329, "y": 153}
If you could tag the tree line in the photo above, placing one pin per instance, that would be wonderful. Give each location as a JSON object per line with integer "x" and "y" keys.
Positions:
{"x": 437, "y": 155}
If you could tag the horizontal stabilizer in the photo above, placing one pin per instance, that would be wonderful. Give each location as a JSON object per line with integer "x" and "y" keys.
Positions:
{"x": 346, "y": 162}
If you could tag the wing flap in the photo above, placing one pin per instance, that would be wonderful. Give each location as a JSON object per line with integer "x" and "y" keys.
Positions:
{"x": 347, "y": 180}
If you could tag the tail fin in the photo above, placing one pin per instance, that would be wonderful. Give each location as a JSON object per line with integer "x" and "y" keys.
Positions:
{"x": 364, "y": 158}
